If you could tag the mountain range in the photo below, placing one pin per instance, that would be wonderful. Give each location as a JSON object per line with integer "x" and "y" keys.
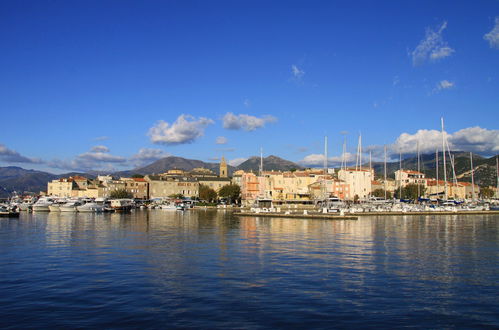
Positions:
{"x": 21, "y": 180}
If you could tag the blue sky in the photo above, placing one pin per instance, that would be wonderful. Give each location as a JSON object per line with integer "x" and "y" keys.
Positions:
{"x": 118, "y": 84}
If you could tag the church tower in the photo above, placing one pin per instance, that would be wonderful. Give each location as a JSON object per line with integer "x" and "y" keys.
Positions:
{"x": 223, "y": 168}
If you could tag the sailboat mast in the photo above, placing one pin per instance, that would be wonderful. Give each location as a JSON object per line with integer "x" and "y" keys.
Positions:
{"x": 385, "y": 173}
{"x": 443, "y": 153}
{"x": 472, "y": 178}
{"x": 261, "y": 161}
{"x": 497, "y": 175}
{"x": 360, "y": 151}
{"x": 400, "y": 174}
{"x": 419, "y": 169}
{"x": 438, "y": 183}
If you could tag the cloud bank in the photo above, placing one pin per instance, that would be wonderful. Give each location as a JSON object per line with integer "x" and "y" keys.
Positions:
{"x": 186, "y": 129}
{"x": 245, "y": 122}
{"x": 11, "y": 156}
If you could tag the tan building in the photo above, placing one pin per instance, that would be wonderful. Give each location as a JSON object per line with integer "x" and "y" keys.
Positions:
{"x": 61, "y": 187}
{"x": 359, "y": 181}
{"x": 162, "y": 186}
{"x": 137, "y": 187}
{"x": 406, "y": 177}
{"x": 330, "y": 188}
{"x": 214, "y": 182}
{"x": 223, "y": 168}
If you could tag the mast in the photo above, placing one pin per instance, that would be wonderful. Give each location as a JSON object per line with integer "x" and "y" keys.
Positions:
{"x": 360, "y": 151}
{"x": 325, "y": 167}
{"x": 343, "y": 158}
{"x": 443, "y": 153}
{"x": 385, "y": 173}
{"x": 472, "y": 178}
{"x": 419, "y": 170}
{"x": 261, "y": 161}
{"x": 497, "y": 175}
{"x": 436, "y": 160}
{"x": 400, "y": 174}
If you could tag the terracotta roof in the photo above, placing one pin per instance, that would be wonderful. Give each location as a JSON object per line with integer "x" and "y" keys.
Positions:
{"x": 139, "y": 179}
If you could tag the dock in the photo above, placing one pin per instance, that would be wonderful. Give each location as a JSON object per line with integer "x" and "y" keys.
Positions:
{"x": 355, "y": 216}
{"x": 320, "y": 216}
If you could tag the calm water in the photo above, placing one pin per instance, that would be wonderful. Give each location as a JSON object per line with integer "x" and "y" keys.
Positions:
{"x": 208, "y": 269}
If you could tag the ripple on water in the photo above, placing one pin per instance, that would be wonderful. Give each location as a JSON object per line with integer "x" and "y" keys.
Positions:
{"x": 207, "y": 269}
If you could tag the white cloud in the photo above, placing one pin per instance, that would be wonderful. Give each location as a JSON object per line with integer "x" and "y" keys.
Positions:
{"x": 246, "y": 122}
{"x": 221, "y": 140}
{"x": 444, "y": 84}
{"x": 100, "y": 149}
{"x": 474, "y": 139}
{"x": 297, "y": 72}
{"x": 98, "y": 158}
{"x": 101, "y": 138}
{"x": 318, "y": 159}
{"x": 432, "y": 47}
{"x": 247, "y": 103}
{"x": 147, "y": 155}
{"x": 185, "y": 129}
{"x": 237, "y": 161}
{"x": 493, "y": 36}
{"x": 11, "y": 156}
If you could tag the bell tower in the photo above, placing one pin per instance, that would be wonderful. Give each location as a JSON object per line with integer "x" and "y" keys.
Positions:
{"x": 223, "y": 168}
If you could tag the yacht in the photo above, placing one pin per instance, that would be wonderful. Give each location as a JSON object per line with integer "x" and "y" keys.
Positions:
{"x": 90, "y": 207}
{"x": 42, "y": 205}
{"x": 70, "y": 206}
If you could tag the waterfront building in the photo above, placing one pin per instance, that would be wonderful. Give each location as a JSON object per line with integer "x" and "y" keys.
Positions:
{"x": 166, "y": 186}
{"x": 329, "y": 187}
{"x": 406, "y": 177}
{"x": 359, "y": 181}
{"x": 62, "y": 187}
{"x": 137, "y": 187}
{"x": 214, "y": 183}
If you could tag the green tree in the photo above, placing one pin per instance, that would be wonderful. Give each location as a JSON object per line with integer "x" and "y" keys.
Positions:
{"x": 206, "y": 193}
{"x": 138, "y": 176}
{"x": 176, "y": 196}
{"x": 231, "y": 191}
{"x": 410, "y": 191}
{"x": 381, "y": 193}
{"x": 120, "y": 193}
{"x": 486, "y": 192}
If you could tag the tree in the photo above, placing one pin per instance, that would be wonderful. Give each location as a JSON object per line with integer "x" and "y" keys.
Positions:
{"x": 206, "y": 193}
{"x": 410, "y": 191}
{"x": 231, "y": 192}
{"x": 176, "y": 196}
{"x": 381, "y": 193}
{"x": 120, "y": 193}
{"x": 486, "y": 192}
{"x": 138, "y": 176}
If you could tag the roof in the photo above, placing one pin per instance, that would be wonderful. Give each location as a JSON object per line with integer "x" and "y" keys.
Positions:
{"x": 139, "y": 179}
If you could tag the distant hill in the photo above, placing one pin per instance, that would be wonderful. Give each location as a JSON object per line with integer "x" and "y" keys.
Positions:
{"x": 485, "y": 168}
{"x": 164, "y": 164}
{"x": 270, "y": 163}
{"x": 13, "y": 178}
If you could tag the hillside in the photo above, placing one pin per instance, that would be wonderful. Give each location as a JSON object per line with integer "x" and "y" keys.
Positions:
{"x": 270, "y": 163}
{"x": 172, "y": 162}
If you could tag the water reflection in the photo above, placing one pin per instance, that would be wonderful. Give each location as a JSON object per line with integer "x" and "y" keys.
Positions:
{"x": 189, "y": 268}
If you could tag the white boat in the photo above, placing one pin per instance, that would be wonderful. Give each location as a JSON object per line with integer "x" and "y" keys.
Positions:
{"x": 57, "y": 203}
{"x": 90, "y": 207}
{"x": 168, "y": 207}
{"x": 42, "y": 205}
{"x": 70, "y": 206}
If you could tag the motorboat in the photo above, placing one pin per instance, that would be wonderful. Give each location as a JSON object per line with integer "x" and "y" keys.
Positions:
{"x": 70, "y": 206}
{"x": 90, "y": 207}
{"x": 122, "y": 205}
{"x": 42, "y": 205}
{"x": 8, "y": 212}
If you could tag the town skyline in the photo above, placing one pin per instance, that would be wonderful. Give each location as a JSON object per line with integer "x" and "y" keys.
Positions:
{"x": 125, "y": 84}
